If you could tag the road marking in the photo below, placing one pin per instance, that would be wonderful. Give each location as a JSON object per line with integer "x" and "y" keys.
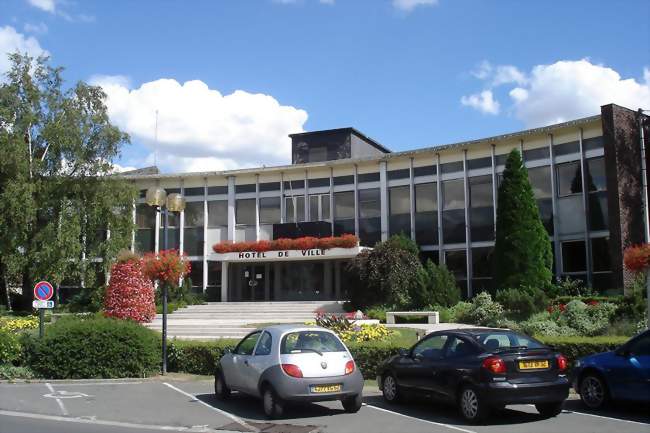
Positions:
{"x": 449, "y": 426}
{"x": 605, "y": 417}
{"x": 101, "y": 422}
{"x": 220, "y": 411}
{"x": 100, "y": 383}
{"x": 64, "y": 411}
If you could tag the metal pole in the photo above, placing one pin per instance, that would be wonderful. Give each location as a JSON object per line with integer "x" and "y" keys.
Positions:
{"x": 164, "y": 299}
{"x": 41, "y": 324}
{"x": 644, "y": 197}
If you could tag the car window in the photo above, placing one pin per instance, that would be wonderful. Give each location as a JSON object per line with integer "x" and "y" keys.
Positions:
{"x": 246, "y": 346}
{"x": 430, "y": 348}
{"x": 641, "y": 346}
{"x": 459, "y": 348}
{"x": 310, "y": 341}
{"x": 496, "y": 340}
{"x": 264, "y": 345}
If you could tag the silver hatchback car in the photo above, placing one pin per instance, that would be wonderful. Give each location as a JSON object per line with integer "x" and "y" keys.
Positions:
{"x": 285, "y": 363}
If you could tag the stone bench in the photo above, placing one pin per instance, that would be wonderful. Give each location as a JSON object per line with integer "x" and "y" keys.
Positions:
{"x": 432, "y": 316}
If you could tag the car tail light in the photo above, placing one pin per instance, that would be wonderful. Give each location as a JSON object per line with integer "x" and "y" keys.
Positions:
{"x": 562, "y": 363}
{"x": 349, "y": 367}
{"x": 494, "y": 364}
{"x": 292, "y": 370}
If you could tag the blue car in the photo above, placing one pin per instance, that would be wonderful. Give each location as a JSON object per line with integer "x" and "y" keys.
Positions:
{"x": 622, "y": 374}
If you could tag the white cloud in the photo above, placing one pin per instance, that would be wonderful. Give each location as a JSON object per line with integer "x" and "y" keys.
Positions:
{"x": 409, "y": 5}
{"x": 199, "y": 128}
{"x": 501, "y": 74}
{"x": 44, "y": 5}
{"x": 11, "y": 41}
{"x": 39, "y": 28}
{"x": 484, "y": 102}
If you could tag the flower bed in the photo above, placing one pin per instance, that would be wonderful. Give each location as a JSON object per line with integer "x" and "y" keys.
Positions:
{"x": 303, "y": 243}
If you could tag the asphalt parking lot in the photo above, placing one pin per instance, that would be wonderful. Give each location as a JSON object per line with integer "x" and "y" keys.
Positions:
{"x": 188, "y": 405}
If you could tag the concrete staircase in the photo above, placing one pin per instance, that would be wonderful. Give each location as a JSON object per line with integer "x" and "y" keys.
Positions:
{"x": 234, "y": 319}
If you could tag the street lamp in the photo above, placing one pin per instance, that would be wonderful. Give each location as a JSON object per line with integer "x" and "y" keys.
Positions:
{"x": 158, "y": 198}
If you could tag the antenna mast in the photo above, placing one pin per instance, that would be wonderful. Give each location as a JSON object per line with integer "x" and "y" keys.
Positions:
{"x": 155, "y": 142}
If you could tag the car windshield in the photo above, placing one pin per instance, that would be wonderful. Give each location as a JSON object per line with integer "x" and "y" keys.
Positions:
{"x": 505, "y": 340}
{"x": 310, "y": 341}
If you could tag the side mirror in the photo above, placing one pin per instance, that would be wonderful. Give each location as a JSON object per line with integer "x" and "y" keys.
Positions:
{"x": 403, "y": 352}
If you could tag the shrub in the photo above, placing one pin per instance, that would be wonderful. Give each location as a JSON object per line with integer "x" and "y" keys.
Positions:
{"x": 94, "y": 347}
{"x": 577, "y": 347}
{"x": 483, "y": 311}
{"x": 366, "y": 333}
{"x": 369, "y": 356}
{"x": 333, "y": 322}
{"x": 544, "y": 324}
{"x": 11, "y": 372}
{"x": 378, "y": 312}
{"x": 587, "y": 320}
{"x": 197, "y": 357}
{"x": 13, "y": 324}
{"x": 459, "y": 312}
{"x": 437, "y": 286}
{"x": 129, "y": 295}
{"x": 522, "y": 302}
{"x": 569, "y": 287}
{"x": 10, "y": 348}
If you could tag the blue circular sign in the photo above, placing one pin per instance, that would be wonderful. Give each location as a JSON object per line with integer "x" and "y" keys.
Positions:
{"x": 43, "y": 291}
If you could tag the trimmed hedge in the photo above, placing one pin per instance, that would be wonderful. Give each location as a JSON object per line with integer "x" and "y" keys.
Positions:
{"x": 577, "y": 347}
{"x": 94, "y": 347}
{"x": 197, "y": 357}
{"x": 586, "y": 299}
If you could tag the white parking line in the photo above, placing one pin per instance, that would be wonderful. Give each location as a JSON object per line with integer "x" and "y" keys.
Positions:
{"x": 452, "y": 427}
{"x": 220, "y": 411}
{"x": 64, "y": 411}
{"x": 606, "y": 417}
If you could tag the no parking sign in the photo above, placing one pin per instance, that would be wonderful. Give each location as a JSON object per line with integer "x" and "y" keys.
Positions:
{"x": 43, "y": 292}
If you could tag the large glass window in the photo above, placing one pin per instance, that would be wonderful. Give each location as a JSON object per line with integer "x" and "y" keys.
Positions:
{"x": 482, "y": 268}
{"x": 343, "y": 212}
{"x": 369, "y": 216}
{"x": 245, "y": 211}
{"x": 196, "y": 276}
{"x": 481, "y": 208}
{"x": 295, "y": 208}
{"x": 400, "y": 211}
{"x": 218, "y": 213}
{"x": 145, "y": 220}
{"x": 569, "y": 179}
{"x": 269, "y": 210}
{"x": 601, "y": 255}
{"x": 456, "y": 262}
{"x": 426, "y": 213}
{"x": 540, "y": 180}
{"x": 597, "y": 182}
{"x": 319, "y": 207}
{"x": 453, "y": 214}
{"x": 173, "y": 231}
{"x": 573, "y": 257}
{"x": 193, "y": 230}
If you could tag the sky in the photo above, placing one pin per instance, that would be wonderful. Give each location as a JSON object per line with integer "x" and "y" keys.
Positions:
{"x": 230, "y": 79}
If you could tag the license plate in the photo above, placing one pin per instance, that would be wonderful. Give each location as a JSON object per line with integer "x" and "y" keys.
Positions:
{"x": 319, "y": 389}
{"x": 533, "y": 365}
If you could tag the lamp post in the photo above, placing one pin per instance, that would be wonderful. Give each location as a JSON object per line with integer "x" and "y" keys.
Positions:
{"x": 158, "y": 198}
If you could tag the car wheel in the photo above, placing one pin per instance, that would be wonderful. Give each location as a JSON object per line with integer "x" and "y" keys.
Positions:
{"x": 273, "y": 406}
{"x": 471, "y": 405}
{"x": 390, "y": 389}
{"x": 593, "y": 391}
{"x": 352, "y": 404}
{"x": 221, "y": 390}
{"x": 549, "y": 410}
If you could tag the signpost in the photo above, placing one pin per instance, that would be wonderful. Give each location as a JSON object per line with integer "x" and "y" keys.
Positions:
{"x": 43, "y": 292}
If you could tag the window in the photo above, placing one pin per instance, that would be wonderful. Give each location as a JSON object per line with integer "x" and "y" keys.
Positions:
{"x": 294, "y": 184}
{"x": 601, "y": 255}
{"x": 597, "y": 183}
{"x": 539, "y": 153}
{"x": 428, "y": 170}
{"x": 573, "y": 256}
{"x": 369, "y": 216}
{"x": 295, "y": 208}
{"x": 453, "y": 215}
{"x": 319, "y": 207}
{"x": 239, "y": 189}
{"x": 481, "y": 208}
{"x": 398, "y": 174}
{"x": 245, "y": 211}
{"x": 214, "y": 190}
{"x": 264, "y": 346}
{"x": 317, "y": 153}
{"x": 310, "y": 342}
{"x": 569, "y": 179}
{"x": 343, "y": 212}
{"x": 321, "y": 182}
{"x": 592, "y": 143}
{"x": 194, "y": 214}
{"x": 430, "y": 348}
{"x": 400, "y": 210}
{"x": 494, "y": 340}
{"x": 145, "y": 216}
{"x": 246, "y": 346}
{"x": 482, "y": 262}
{"x": 269, "y": 210}
{"x": 451, "y": 167}
{"x": 269, "y": 186}
{"x": 459, "y": 348}
{"x": 540, "y": 180}
{"x": 473, "y": 164}
{"x": 566, "y": 148}
{"x": 343, "y": 180}
{"x": 456, "y": 262}
{"x": 189, "y": 192}
{"x": 193, "y": 229}
{"x": 596, "y": 179}
{"x": 501, "y": 159}
{"x": 196, "y": 276}
{"x": 368, "y": 177}
{"x": 218, "y": 213}
{"x": 426, "y": 213}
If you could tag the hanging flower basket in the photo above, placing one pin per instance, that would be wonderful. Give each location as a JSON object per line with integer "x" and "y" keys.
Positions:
{"x": 282, "y": 244}
{"x": 168, "y": 266}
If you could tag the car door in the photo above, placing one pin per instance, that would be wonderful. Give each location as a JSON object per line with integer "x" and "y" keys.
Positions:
{"x": 258, "y": 363}
{"x": 630, "y": 375}
{"x": 418, "y": 369}
{"x": 458, "y": 360}
{"x": 238, "y": 370}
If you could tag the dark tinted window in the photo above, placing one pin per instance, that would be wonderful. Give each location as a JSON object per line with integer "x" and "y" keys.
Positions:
{"x": 246, "y": 346}
{"x": 368, "y": 177}
{"x": 173, "y": 190}
{"x": 343, "y": 180}
{"x": 315, "y": 183}
{"x": 269, "y": 210}
{"x": 294, "y": 184}
{"x": 592, "y": 143}
{"x": 426, "y": 213}
{"x": 194, "y": 214}
{"x": 245, "y": 211}
{"x": 245, "y": 188}
{"x": 540, "y": 180}
{"x": 641, "y": 346}
{"x": 270, "y": 186}
{"x": 566, "y": 148}
{"x": 569, "y": 179}
{"x": 482, "y": 262}
{"x": 264, "y": 346}
{"x": 399, "y": 210}
{"x": 217, "y": 213}
{"x": 501, "y": 159}
{"x": 573, "y": 256}
{"x": 428, "y": 170}
{"x": 310, "y": 341}
{"x": 451, "y": 167}
{"x": 456, "y": 262}
{"x": 398, "y": 174}
{"x": 533, "y": 154}
{"x": 430, "y": 348}
{"x": 193, "y": 191}
{"x": 601, "y": 254}
{"x": 459, "y": 348}
{"x": 596, "y": 179}
{"x": 473, "y": 164}
{"x": 495, "y": 340}
{"x": 213, "y": 190}
{"x": 481, "y": 208}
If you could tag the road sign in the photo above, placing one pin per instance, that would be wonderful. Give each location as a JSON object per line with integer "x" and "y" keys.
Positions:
{"x": 42, "y": 304}
{"x": 43, "y": 291}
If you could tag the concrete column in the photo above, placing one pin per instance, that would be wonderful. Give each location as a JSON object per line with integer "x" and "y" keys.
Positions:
{"x": 156, "y": 244}
{"x": 206, "y": 248}
{"x": 383, "y": 192}
{"x": 267, "y": 282}
{"x": 307, "y": 216}
{"x": 134, "y": 227}
{"x": 224, "y": 281}
{"x": 327, "y": 283}
{"x": 257, "y": 207}
{"x": 332, "y": 199}
{"x": 521, "y": 148}
{"x": 231, "y": 208}
{"x": 337, "y": 280}
{"x": 585, "y": 207}
{"x": 494, "y": 188}
{"x": 356, "y": 201}
{"x": 441, "y": 253}
{"x": 277, "y": 280}
{"x": 556, "y": 239}
{"x": 468, "y": 227}
{"x": 181, "y": 224}
{"x": 412, "y": 198}
{"x": 283, "y": 209}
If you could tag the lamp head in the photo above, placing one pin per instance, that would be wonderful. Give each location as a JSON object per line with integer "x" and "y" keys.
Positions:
{"x": 175, "y": 202}
{"x": 155, "y": 196}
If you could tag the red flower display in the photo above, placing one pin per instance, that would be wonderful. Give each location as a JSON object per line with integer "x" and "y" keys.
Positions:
{"x": 167, "y": 266}
{"x": 282, "y": 244}
{"x": 637, "y": 258}
{"x": 130, "y": 294}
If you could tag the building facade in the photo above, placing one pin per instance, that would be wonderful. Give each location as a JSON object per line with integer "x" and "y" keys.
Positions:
{"x": 586, "y": 175}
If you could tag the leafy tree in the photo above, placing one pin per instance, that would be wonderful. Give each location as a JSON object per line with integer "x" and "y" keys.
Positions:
{"x": 57, "y": 198}
{"x": 522, "y": 252}
{"x": 437, "y": 287}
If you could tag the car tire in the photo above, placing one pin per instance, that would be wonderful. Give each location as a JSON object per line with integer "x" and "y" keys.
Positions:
{"x": 221, "y": 390}
{"x": 272, "y": 404}
{"x": 390, "y": 389}
{"x": 352, "y": 404}
{"x": 471, "y": 405}
{"x": 549, "y": 410}
{"x": 593, "y": 391}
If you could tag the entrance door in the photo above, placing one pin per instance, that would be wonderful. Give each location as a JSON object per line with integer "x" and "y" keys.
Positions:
{"x": 253, "y": 279}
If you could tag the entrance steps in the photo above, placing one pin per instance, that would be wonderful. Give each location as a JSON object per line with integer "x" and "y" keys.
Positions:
{"x": 236, "y": 319}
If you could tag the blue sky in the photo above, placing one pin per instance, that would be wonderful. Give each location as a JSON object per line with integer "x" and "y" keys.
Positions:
{"x": 409, "y": 73}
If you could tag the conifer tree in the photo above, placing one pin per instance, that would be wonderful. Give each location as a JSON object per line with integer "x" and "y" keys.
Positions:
{"x": 522, "y": 252}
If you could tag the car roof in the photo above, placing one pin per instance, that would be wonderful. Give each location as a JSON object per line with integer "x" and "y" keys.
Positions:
{"x": 291, "y": 327}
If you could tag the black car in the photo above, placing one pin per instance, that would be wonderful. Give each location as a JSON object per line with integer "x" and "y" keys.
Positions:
{"x": 479, "y": 370}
